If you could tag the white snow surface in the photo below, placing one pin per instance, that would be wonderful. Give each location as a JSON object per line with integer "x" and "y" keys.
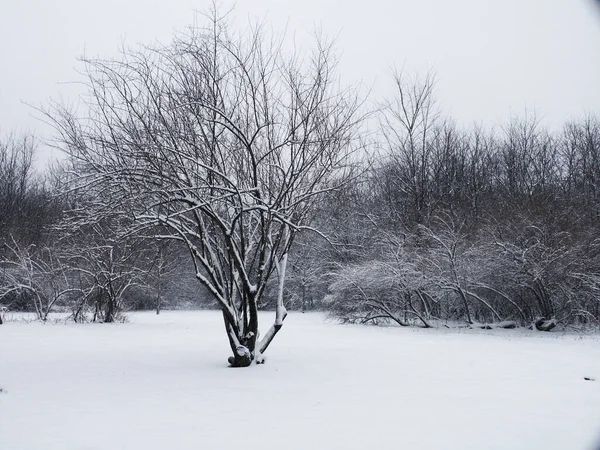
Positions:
{"x": 162, "y": 382}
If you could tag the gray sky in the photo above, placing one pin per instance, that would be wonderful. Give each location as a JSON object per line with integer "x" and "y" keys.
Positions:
{"x": 492, "y": 58}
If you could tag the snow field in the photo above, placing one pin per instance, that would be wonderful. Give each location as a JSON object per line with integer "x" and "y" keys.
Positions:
{"x": 162, "y": 382}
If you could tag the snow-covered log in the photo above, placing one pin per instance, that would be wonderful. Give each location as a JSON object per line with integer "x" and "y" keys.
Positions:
{"x": 544, "y": 324}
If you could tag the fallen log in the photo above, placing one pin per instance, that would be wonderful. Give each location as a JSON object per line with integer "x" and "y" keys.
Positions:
{"x": 506, "y": 324}
{"x": 544, "y": 324}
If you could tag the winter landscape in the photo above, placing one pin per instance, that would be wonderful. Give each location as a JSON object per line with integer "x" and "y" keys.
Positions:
{"x": 249, "y": 233}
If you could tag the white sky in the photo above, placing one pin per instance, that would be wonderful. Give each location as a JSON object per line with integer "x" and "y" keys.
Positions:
{"x": 492, "y": 58}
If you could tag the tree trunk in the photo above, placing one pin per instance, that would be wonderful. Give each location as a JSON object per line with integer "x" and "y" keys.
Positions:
{"x": 77, "y": 312}
{"x": 242, "y": 357}
{"x": 109, "y": 314}
{"x": 280, "y": 311}
{"x": 252, "y": 334}
{"x": 463, "y": 296}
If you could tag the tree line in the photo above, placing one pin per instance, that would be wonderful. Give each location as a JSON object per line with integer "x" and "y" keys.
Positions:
{"x": 474, "y": 225}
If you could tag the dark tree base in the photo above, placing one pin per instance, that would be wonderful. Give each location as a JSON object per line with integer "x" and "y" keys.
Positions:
{"x": 242, "y": 358}
{"x": 544, "y": 324}
{"x": 239, "y": 362}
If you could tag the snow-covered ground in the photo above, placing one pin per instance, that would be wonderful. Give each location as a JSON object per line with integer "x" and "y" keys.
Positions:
{"x": 162, "y": 382}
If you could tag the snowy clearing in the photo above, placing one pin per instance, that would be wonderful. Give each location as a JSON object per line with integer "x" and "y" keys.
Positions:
{"x": 162, "y": 382}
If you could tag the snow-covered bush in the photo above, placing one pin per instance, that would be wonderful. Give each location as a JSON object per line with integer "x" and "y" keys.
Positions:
{"x": 388, "y": 289}
{"x": 443, "y": 273}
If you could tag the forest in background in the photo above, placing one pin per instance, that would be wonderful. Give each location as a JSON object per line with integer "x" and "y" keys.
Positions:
{"x": 431, "y": 223}
{"x": 457, "y": 225}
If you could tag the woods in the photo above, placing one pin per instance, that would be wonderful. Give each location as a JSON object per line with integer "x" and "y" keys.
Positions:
{"x": 224, "y": 169}
{"x": 478, "y": 226}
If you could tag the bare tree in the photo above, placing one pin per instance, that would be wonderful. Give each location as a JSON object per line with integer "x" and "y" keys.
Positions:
{"x": 452, "y": 264}
{"x": 106, "y": 264}
{"x": 580, "y": 156}
{"x": 38, "y": 274}
{"x": 223, "y": 142}
{"x": 549, "y": 273}
{"x": 25, "y": 204}
{"x": 406, "y": 125}
{"x": 163, "y": 266}
{"x": 16, "y": 161}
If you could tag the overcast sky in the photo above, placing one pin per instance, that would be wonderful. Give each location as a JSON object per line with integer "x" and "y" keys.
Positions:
{"x": 493, "y": 59}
